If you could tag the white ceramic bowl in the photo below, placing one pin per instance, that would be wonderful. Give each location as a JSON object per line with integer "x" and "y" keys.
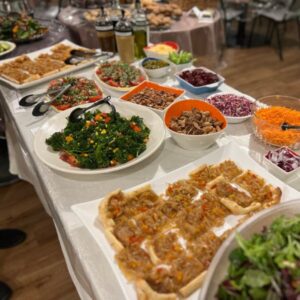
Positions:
{"x": 219, "y": 265}
{"x": 235, "y": 120}
{"x": 180, "y": 67}
{"x": 11, "y": 45}
{"x": 59, "y": 121}
{"x": 193, "y": 142}
{"x": 277, "y": 171}
{"x": 150, "y": 53}
{"x": 156, "y": 73}
{"x": 113, "y": 88}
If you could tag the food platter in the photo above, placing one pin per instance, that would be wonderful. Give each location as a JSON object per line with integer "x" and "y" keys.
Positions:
{"x": 256, "y": 224}
{"x": 59, "y": 121}
{"x": 88, "y": 212}
{"x": 115, "y": 88}
{"x": 11, "y": 48}
{"x": 52, "y": 75}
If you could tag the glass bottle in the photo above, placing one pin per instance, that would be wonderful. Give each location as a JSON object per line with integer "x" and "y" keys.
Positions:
{"x": 140, "y": 30}
{"x": 115, "y": 12}
{"x": 125, "y": 39}
{"x": 105, "y": 32}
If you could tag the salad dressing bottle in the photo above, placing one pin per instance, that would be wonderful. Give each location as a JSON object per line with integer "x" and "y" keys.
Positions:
{"x": 115, "y": 12}
{"x": 105, "y": 33}
{"x": 125, "y": 40}
{"x": 140, "y": 30}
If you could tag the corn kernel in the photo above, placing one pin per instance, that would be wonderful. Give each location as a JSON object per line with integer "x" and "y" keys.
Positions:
{"x": 69, "y": 139}
{"x": 103, "y": 131}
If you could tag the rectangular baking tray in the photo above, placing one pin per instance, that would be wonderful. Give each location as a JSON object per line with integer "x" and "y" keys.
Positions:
{"x": 35, "y": 54}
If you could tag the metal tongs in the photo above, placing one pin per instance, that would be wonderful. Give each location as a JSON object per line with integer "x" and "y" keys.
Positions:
{"x": 43, "y": 106}
{"x": 78, "y": 56}
{"x": 77, "y": 112}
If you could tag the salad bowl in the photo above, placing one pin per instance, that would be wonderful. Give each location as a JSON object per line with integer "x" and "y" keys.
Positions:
{"x": 59, "y": 121}
{"x": 219, "y": 265}
{"x": 116, "y": 88}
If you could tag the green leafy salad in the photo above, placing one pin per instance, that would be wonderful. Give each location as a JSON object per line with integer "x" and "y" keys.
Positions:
{"x": 267, "y": 266}
{"x": 101, "y": 140}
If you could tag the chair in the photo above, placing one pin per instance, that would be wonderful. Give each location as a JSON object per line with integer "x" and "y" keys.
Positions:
{"x": 289, "y": 11}
{"x": 229, "y": 13}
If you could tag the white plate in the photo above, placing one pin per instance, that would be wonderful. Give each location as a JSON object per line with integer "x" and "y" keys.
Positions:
{"x": 235, "y": 120}
{"x": 87, "y": 212}
{"x": 113, "y": 88}
{"x": 10, "y": 44}
{"x": 35, "y": 54}
{"x": 59, "y": 122}
{"x": 218, "y": 267}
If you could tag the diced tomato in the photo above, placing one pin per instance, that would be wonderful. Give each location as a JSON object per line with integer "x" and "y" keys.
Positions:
{"x": 63, "y": 106}
{"x": 135, "y": 239}
{"x": 70, "y": 159}
{"x": 95, "y": 98}
{"x": 99, "y": 71}
{"x": 113, "y": 83}
{"x": 143, "y": 208}
{"x": 135, "y": 128}
{"x": 104, "y": 115}
{"x": 107, "y": 120}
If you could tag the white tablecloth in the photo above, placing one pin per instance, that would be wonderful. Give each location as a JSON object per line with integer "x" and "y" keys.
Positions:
{"x": 89, "y": 269}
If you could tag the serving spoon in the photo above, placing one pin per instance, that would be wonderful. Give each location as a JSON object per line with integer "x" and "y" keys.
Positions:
{"x": 43, "y": 106}
{"x": 77, "y": 112}
{"x": 286, "y": 126}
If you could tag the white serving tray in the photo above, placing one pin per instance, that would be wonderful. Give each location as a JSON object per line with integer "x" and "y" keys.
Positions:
{"x": 87, "y": 212}
{"x": 35, "y": 54}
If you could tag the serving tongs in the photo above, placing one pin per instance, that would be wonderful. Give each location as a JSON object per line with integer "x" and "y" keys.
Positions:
{"x": 32, "y": 99}
{"x": 286, "y": 126}
{"x": 42, "y": 107}
{"x": 77, "y": 112}
{"x": 78, "y": 56}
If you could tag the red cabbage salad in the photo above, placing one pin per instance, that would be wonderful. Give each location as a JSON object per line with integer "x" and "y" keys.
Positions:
{"x": 233, "y": 105}
{"x": 267, "y": 266}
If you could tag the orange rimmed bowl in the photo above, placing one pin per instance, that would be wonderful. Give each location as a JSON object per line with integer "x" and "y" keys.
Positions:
{"x": 193, "y": 142}
{"x": 157, "y": 87}
{"x": 267, "y": 121}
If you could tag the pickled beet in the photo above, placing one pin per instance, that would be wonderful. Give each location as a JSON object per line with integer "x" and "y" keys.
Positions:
{"x": 199, "y": 77}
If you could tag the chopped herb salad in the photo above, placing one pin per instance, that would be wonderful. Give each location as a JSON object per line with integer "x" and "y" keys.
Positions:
{"x": 82, "y": 91}
{"x": 120, "y": 74}
{"x": 267, "y": 266}
{"x": 101, "y": 140}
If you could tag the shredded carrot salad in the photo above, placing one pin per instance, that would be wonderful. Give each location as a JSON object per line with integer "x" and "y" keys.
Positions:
{"x": 268, "y": 122}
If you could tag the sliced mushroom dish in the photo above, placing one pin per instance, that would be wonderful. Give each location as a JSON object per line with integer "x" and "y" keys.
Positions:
{"x": 195, "y": 122}
{"x": 153, "y": 98}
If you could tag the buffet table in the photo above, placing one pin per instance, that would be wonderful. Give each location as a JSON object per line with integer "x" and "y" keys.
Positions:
{"x": 205, "y": 37}
{"x": 89, "y": 269}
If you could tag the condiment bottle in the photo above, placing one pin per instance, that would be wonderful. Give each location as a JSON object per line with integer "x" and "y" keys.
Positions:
{"x": 125, "y": 39}
{"x": 115, "y": 12}
{"x": 105, "y": 33}
{"x": 140, "y": 30}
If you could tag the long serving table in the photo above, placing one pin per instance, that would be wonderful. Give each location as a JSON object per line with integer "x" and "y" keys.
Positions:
{"x": 87, "y": 265}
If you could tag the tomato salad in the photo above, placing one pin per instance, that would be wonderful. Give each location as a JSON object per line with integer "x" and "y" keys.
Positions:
{"x": 100, "y": 140}
{"x": 82, "y": 91}
{"x": 119, "y": 74}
